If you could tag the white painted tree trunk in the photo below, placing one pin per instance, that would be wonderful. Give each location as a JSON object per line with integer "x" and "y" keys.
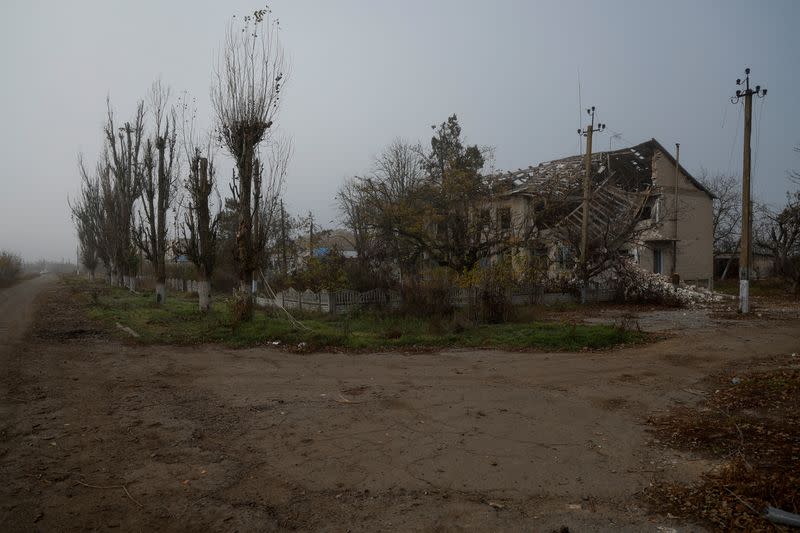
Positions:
{"x": 161, "y": 292}
{"x": 132, "y": 283}
{"x": 204, "y": 295}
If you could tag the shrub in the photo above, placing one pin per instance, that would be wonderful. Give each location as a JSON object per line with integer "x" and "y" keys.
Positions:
{"x": 430, "y": 296}
{"x": 10, "y": 266}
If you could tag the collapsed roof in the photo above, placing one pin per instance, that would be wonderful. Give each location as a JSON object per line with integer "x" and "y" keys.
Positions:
{"x": 629, "y": 169}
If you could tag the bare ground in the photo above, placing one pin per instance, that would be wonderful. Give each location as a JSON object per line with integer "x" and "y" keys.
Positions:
{"x": 101, "y": 434}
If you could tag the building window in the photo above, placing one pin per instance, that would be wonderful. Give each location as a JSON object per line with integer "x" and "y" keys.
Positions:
{"x": 658, "y": 261}
{"x": 484, "y": 219}
{"x": 564, "y": 257}
{"x": 504, "y": 218}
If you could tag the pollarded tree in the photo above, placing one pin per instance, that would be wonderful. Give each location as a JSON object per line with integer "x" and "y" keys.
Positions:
{"x": 121, "y": 185}
{"x": 200, "y": 224}
{"x": 246, "y": 97}
{"x": 158, "y": 186}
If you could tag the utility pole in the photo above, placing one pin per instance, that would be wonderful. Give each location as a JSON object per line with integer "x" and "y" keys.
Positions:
{"x": 590, "y": 129}
{"x": 745, "y": 251}
{"x": 675, "y": 213}
{"x": 310, "y": 234}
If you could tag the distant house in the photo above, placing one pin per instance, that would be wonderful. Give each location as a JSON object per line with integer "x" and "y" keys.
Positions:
{"x": 335, "y": 240}
{"x": 726, "y": 265}
{"x": 639, "y": 179}
{"x": 340, "y": 240}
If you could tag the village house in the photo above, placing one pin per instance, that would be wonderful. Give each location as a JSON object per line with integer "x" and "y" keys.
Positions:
{"x": 671, "y": 211}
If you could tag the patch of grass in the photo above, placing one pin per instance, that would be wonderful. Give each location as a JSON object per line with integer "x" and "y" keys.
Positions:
{"x": 766, "y": 288}
{"x": 179, "y": 322}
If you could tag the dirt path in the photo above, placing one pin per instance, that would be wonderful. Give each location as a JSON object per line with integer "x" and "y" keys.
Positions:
{"x": 17, "y": 307}
{"x": 213, "y": 439}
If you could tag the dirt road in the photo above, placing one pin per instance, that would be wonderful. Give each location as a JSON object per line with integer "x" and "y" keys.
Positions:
{"x": 100, "y": 434}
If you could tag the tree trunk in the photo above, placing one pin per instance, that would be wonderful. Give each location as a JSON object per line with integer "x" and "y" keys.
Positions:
{"x": 161, "y": 292}
{"x": 204, "y": 295}
{"x": 132, "y": 283}
{"x": 243, "y": 310}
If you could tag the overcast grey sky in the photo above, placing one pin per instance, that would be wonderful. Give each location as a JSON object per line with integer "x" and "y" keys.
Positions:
{"x": 364, "y": 72}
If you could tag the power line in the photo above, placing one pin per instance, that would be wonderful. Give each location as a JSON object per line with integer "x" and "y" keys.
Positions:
{"x": 735, "y": 139}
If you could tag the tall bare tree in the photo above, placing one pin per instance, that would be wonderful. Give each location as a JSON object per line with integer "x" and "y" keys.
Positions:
{"x": 794, "y": 175}
{"x": 121, "y": 185}
{"x": 727, "y": 214}
{"x": 778, "y": 231}
{"x": 199, "y": 231}
{"x": 246, "y": 97}
{"x": 88, "y": 215}
{"x": 268, "y": 185}
{"x": 200, "y": 228}
{"x": 159, "y": 185}
{"x": 97, "y": 205}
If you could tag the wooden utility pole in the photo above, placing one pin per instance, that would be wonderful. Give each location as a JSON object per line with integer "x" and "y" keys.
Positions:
{"x": 675, "y": 212}
{"x": 590, "y": 129}
{"x": 746, "y": 242}
{"x": 310, "y": 234}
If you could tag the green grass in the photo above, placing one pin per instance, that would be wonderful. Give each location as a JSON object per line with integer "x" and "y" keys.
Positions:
{"x": 179, "y": 322}
{"x": 770, "y": 287}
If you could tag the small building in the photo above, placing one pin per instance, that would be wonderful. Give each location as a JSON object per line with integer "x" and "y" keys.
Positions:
{"x": 726, "y": 265}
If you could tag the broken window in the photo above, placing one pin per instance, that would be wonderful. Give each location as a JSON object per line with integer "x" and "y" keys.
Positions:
{"x": 564, "y": 257}
{"x": 504, "y": 218}
{"x": 484, "y": 219}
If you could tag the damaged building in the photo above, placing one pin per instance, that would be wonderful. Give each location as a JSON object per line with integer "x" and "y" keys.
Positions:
{"x": 642, "y": 204}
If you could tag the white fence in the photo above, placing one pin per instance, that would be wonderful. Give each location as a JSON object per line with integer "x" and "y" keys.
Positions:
{"x": 337, "y": 302}
{"x": 332, "y": 301}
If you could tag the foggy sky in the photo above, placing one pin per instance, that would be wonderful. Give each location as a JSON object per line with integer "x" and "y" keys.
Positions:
{"x": 366, "y": 72}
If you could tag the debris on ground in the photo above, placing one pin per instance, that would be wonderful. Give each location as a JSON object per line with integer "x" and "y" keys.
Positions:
{"x": 752, "y": 428}
{"x": 127, "y": 330}
{"x": 779, "y": 516}
{"x": 640, "y": 286}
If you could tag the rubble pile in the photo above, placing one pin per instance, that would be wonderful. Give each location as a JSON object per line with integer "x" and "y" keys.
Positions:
{"x": 637, "y": 285}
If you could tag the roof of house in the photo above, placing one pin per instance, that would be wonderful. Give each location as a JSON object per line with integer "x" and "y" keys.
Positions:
{"x": 628, "y": 168}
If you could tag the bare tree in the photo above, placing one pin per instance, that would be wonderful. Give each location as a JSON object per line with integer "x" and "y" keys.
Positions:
{"x": 158, "y": 186}
{"x": 200, "y": 228}
{"x": 97, "y": 205}
{"x": 199, "y": 232}
{"x": 87, "y": 215}
{"x": 727, "y": 216}
{"x": 794, "y": 175}
{"x": 779, "y": 232}
{"x": 382, "y": 206}
{"x": 121, "y": 187}
{"x": 351, "y": 200}
{"x": 246, "y": 97}
{"x": 268, "y": 185}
